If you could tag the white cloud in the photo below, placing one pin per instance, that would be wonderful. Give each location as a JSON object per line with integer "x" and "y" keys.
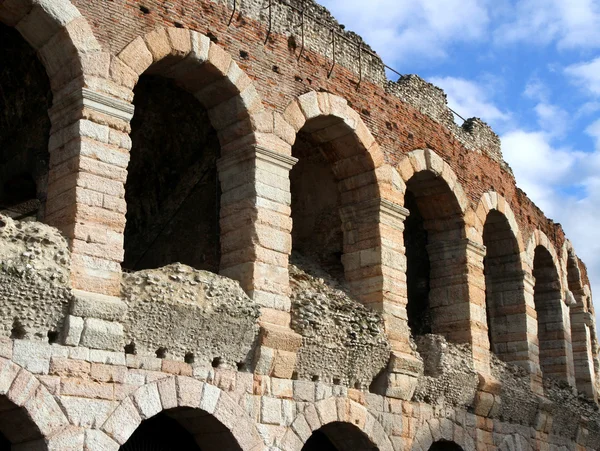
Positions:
{"x": 586, "y": 75}
{"x": 552, "y": 119}
{"x": 403, "y": 29}
{"x": 536, "y": 89}
{"x": 571, "y": 24}
{"x": 470, "y": 99}
{"x": 538, "y": 166}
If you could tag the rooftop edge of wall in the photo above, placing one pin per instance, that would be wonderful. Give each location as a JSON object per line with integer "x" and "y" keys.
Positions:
{"x": 317, "y": 29}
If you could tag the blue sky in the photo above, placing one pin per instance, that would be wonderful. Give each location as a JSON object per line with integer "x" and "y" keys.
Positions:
{"x": 529, "y": 68}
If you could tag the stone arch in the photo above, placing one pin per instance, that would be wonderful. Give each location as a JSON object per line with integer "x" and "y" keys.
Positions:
{"x": 334, "y": 410}
{"x": 438, "y": 429}
{"x": 553, "y": 322}
{"x": 218, "y": 178}
{"x": 506, "y": 281}
{"x": 22, "y": 390}
{"x": 494, "y": 201}
{"x": 539, "y": 238}
{"x": 328, "y": 134}
{"x": 180, "y": 392}
{"x": 427, "y": 160}
{"x": 59, "y": 33}
{"x": 207, "y": 71}
{"x": 583, "y": 322}
{"x": 336, "y": 169}
{"x": 65, "y": 46}
{"x": 444, "y": 267}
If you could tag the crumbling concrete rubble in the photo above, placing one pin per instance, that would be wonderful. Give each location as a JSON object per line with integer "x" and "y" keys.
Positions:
{"x": 342, "y": 340}
{"x": 34, "y": 293}
{"x": 179, "y": 311}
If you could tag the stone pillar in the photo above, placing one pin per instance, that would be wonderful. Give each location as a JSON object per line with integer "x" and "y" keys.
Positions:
{"x": 255, "y": 246}
{"x": 89, "y": 153}
{"x": 581, "y": 322}
{"x": 554, "y": 331}
{"x": 375, "y": 269}
{"x": 457, "y": 296}
{"x": 533, "y": 365}
{"x": 510, "y": 316}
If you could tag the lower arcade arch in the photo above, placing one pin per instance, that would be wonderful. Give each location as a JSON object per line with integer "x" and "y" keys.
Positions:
{"x": 17, "y": 430}
{"x": 445, "y": 445}
{"x": 181, "y": 429}
{"x": 339, "y": 436}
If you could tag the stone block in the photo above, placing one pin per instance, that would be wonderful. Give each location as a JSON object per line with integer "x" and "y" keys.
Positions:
{"x": 189, "y": 391}
{"x": 109, "y": 357}
{"x": 66, "y": 367}
{"x": 100, "y": 334}
{"x": 483, "y": 403}
{"x": 23, "y": 387}
{"x": 137, "y": 56}
{"x": 34, "y": 356}
{"x": 85, "y": 412}
{"x": 98, "y": 440}
{"x": 167, "y": 390}
{"x": 210, "y": 397}
{"x": 85, "y": 388}
{"x": 270, "y": 411}
{"x": 280, "y": 338}
{"x": 123, "y": 422}
{"x": 147, "y": 400}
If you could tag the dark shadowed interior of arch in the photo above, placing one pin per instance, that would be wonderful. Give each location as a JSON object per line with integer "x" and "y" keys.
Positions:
{"x": 181, "y": 429}
{"x": 435, "y": 217}
{"x": 547, "y": 298}
{"x": 317, "y": 226}
{"x": 172, "y": 188}
{"x": 444, "y": 445}
{"x": 328, "y": 154}
{"x": 573, "y": 273}
{"x": 339, "y": 436}
{"x": 25, "y": 97}
{"x": 503, "y": 280}
{"x": 16, "y": 428}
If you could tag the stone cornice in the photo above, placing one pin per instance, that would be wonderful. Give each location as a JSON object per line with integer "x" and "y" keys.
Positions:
{"x": 100, "y": 102}
{"x": 258, "y": 153}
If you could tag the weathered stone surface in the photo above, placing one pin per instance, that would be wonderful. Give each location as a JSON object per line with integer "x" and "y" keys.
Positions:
{"x": 100, "y": 334}
{"x": 342, "y": 340}
{"x": 189, "y": 311}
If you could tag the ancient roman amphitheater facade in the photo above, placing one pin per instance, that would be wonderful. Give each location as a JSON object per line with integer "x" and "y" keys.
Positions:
{"x": 224, "y": 228}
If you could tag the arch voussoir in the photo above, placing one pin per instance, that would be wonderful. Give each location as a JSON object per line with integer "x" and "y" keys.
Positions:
{"x": 180, "y": 391}
{"x": 335, "y": 410}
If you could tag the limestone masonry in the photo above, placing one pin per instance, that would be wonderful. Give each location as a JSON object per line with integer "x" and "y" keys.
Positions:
{"x": 223, "y": 228}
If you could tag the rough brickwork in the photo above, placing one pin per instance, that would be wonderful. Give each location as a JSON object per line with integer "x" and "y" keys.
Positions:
{"x": 189, "y": 148}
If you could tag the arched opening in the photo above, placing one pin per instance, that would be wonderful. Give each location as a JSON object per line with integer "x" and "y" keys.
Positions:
{"x": 181, "y": 429}
{"x": 172, "y": 190}
{"x": 433, "y": 238}
{"x": 25, "y": 97}
{"x": 504, "y": 290}
{"x": 317, "y": 230}
{"x": 339, "y": 436}
{"x": 418, "y": 268}
{"x": 444, "y": 445}
{"x": 553, "y": 337}
{"x": 17, "y": 429}
{"x": 334, "y": 170}
{"x": 582, "y": 330}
